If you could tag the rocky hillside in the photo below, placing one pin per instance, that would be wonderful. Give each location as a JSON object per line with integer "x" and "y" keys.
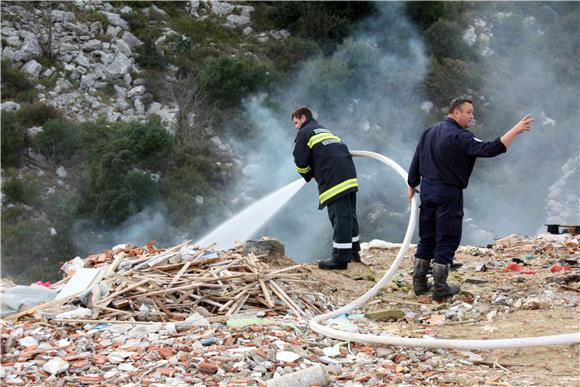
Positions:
{"x": 93, "y": 68}
{"x": 79, "y": 74}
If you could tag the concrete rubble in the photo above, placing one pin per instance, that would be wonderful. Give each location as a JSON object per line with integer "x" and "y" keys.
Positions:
{"x": 276, "y": 347}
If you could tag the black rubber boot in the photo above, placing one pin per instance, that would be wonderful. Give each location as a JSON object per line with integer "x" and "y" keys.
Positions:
{"x": 355, "y": 252}
{"x": 332, "y": 264}
{"x": 442, "y": 290}
{"x": 420, "y": 285}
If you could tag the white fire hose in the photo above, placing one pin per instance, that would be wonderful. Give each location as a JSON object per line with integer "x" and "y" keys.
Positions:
{"x": 315, "y": 323}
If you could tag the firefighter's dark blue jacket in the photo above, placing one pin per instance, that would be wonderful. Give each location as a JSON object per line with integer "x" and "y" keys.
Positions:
{"x": 447, "y": 153}
{"x": 320, "y": 154}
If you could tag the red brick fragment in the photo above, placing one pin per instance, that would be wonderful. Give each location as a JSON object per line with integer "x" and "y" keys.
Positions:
{"x": 99, "y": 359}
{"x": 169, "y": 372}
{"x": 207, "y": 367}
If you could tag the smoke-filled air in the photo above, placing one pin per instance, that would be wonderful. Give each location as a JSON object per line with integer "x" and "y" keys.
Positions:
{"x": 375, "y": 92}
{"x": 126, "y": 123}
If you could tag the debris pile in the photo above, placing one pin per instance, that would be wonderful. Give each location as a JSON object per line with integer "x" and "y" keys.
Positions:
{"x": 131, "y": 283}
{"x": 257, "y": 345}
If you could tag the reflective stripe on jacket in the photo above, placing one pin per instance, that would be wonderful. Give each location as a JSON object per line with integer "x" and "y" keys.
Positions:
{"x": 320, "y": 154}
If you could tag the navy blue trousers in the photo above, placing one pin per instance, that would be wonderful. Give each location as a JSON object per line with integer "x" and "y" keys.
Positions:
{"x": 440, "y": 221}
{"x": 345, "y": 239}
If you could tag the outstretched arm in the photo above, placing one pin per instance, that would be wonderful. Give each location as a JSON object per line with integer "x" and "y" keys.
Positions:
{"x": 520, "y": 127}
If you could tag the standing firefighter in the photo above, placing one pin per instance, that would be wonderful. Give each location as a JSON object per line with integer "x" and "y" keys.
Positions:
{"x": 443, "y": 163}
{"x": 320, "y": 154}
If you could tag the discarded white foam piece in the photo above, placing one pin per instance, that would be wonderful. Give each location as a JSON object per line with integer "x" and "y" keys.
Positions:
{"x": 287, "y": 356}
{"x": 55, "y": 366}
{"x": 81, "y": 280}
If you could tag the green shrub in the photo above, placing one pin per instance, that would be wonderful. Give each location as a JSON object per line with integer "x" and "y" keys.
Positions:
{"x": 63, "y": 209}
{"x": 325, "y": 22}
{"x": 144, "y": 27}
{"x": 149, "y": 57}
{"x": 181, "y": 186}
{"x": 37, "y": 113}
{"x": 13, "y": 137}
{"x": 206, "y": 31}
{"x": 425, "y": 13}
{"x": 92, "y": 16}
{"x": 445, "y": 40}
{"x": 450, "y": 78}
{"x": 59, "y": 141}
{"x": 145, "y": 189}
{"x": 30, "y": 253}
{"x": 25, "y": 190}
{"x": 113, "y": 189}
{"x": 149, "y": 142}
{"x": 229, "y": 79}
{"x": 263, "y": 16}
{"x": 329, "y": 75}
{"x": 15, "y": 85}
{"x": 288, "y": 57}
{"x": 156, "y": 85}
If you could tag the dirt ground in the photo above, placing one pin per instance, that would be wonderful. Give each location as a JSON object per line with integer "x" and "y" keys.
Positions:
{"x": 546, "y": 366}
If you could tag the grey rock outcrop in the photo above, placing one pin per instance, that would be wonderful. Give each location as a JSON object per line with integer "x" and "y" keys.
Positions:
{"x": 116, "y": 20}
{"x": 131, "y": 39}
{"x": 121, "y": 65}
{"x": 32, "y": 69}
{"x": 9, "y": 106}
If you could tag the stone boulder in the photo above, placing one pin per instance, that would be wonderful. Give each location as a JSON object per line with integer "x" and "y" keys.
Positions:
{"x": 13, "y": 41}
{"x": 116, "y": 20}
{"x": 268, "y": 250}
{"x": 136, "y": 91}
{"x": 29, "y": 50}
{"x": 9, "y": 106}
{"x": 131, "y": 39}
{"x": 32, "y": 69}
{"x": 92, "y": 45}
{"x": 113, "y": 31}
{"x": 87, "y": 82}
{"x": 221, "y": 8}
{"x": 123, "y": 47}
{"x": 238, "y": 21}
{"x": 121, "y": 65}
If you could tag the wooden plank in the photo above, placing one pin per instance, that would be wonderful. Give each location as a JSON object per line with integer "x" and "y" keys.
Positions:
{"x": 283, "y": 294}
{"x": 238, "y": 300}
{"x": 285, "y": 269}
{"x": 269, "y": 300}
{"x": 113, "y": 266}
{"x": 162, "y": 307}
{"x": 108, "y": 299}
{"x": 168, "y": 290}
{"x": 283, "y": 299}
{"x": 180, "y": 273}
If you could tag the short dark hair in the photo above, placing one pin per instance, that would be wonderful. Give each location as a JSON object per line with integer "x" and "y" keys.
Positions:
{"x": 302, "y": 111}
{"x": 457, "y": 103}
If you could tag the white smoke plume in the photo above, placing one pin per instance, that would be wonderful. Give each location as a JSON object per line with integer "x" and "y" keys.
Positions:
{"x": 369, "y": 93}
{"x": 366, "y": 93}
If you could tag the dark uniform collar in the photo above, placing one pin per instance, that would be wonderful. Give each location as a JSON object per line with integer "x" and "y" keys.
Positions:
{"x": 451, "y": 120}
{"x": 310, "y": 121}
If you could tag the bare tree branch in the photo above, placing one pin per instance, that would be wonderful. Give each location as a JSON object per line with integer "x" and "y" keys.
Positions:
{"x": 194, "y": 119}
